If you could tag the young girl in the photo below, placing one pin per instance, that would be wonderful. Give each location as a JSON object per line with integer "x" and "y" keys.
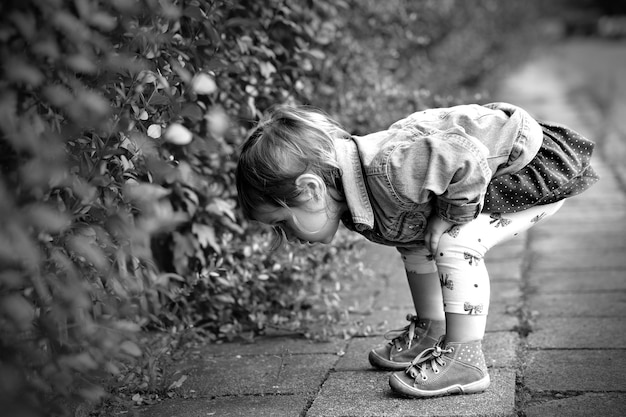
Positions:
{"x": 443, "y": 186}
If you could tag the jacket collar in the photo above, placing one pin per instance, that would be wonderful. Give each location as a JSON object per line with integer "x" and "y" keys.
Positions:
{"x": 353, "y": 183}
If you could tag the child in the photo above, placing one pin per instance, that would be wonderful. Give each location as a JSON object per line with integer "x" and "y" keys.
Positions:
{"x": 443, "y": 186}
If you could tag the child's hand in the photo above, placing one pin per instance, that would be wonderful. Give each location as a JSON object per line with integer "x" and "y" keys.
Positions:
{"x": 435, "y": 228}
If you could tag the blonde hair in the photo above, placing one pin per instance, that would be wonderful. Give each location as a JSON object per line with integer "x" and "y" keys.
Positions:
{"x": 288, "y": 143}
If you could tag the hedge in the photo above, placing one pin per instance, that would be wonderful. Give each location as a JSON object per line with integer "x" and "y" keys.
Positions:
{"x": 119, "y": 127}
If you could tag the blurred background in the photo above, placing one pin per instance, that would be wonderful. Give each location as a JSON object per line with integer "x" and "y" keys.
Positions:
{"x": 120, "y": 238}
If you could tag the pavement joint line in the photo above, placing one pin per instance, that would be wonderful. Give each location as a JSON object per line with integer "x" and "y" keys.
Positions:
{"x": 313, "y": 396}
{"x": 524, "y": 325}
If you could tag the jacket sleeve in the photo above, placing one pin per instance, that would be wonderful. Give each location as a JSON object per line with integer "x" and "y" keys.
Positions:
{"x": 447, "y": 168}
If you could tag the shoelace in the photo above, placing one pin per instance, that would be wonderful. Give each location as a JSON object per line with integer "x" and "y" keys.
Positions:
{"x": 398, "y": 336}
{"x": 433, "y": 355}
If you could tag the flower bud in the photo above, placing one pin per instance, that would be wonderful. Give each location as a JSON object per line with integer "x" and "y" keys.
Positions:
{"x": 203, "y": 83}
{"x": 178, "y": 134}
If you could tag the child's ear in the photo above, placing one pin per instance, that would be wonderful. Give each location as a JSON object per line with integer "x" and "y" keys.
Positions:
{"x": 312, "y": 186}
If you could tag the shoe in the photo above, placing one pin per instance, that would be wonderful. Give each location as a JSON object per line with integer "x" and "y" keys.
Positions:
{"x": 445, "y": 369}
{"x": 405, "y": 344}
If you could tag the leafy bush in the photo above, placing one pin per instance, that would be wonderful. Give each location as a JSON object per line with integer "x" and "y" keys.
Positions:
{"x": 119, "y": 123}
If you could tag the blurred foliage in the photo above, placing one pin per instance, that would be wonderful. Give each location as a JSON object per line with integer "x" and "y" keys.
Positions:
{"x": 119, "y": 124}
{"x": 388, "y": 59}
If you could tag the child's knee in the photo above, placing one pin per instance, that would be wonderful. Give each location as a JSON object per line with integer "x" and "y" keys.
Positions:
{"x": 459, "y": 246}
{"x": 418, "y": 260}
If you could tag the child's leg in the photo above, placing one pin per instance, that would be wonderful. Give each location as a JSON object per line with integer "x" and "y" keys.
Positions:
{"x": 421, "y": 273}
{"x": 424, "y": 328}
{"x": 457, "y": 363}
{"x": 464, "y": 277}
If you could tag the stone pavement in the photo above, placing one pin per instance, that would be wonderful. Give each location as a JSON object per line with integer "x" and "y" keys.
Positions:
{"x": 555, "y": 342}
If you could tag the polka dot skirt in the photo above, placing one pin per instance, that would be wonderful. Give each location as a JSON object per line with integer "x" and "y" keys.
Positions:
{"x": 559, "y": 170}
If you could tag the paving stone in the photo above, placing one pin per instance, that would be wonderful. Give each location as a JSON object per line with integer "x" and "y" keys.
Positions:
{"x": 505, "y": 269}
{"x": 506, "y": 293}
{"x": 355, "y": 358}
{"x": 578, "y": 230}
{"x": 588, "y": 211}
{"x": 500, "y": 349}
{"x": 576, "y": 370}
{"x": 259, "y": 375}
{"x": 231, "y": 406}
{"x": 607, "y": 189}
{"x": 585, "y": 208}
{"x": 596, "y": 304}
{"x": 568, "y": 260}
{"x": 548, "y": 282}
{"x": 584, "y": 405}
{"x": 368, "y": 393}
{"x": 512, "y": 248}
{"x": 578, "y": 333}
{"x": 499, "y": 319}
{"x": 547, "y": 243}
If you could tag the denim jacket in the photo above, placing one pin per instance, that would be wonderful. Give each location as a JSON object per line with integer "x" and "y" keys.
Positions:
{"x": 438, "y": 159}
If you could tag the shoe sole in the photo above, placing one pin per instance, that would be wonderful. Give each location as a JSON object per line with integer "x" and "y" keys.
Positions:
{"x": 408, "y": 391}
{"x": 385, "y": 364}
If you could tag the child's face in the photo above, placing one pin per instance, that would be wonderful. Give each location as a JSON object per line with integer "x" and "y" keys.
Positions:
{"x": 311, "y": 222}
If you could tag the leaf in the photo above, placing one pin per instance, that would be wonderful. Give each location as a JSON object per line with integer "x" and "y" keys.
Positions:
{"x": 19, "y": 71}
{"x": 46, "y": 218}
{"x": 224, "y": 298}
{"x": 221, "y": 207}
{"x": 130, "y": 348}
{"x": 316, "y": 53}
{"x": 81, "y": 362}
{"x": 82, "y": 246}
{"x": 126, "y": 326}
{"x": 158, "y": 99}
{"x": 206, "y": 236}
{"x": 19, "y": 310}
{"x": 57, "y": 95}
{"x": 103, "y": 21}
{"x": 267, "y": 69}
{"x": 94, "y": 102}
{"x": 178, "y": 383}
{"x": 81, "y": 64}
{"x": 195, "y": 13}
{"x": 93, "y": 393}
{"x": 191, "y": 111}
{"x": 142, "y": 145}
{"x": 25, "y": 23}
{"x": 145, "y": 191}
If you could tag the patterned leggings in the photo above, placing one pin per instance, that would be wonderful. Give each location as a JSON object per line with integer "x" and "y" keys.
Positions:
{"x": 459, "y": 259}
